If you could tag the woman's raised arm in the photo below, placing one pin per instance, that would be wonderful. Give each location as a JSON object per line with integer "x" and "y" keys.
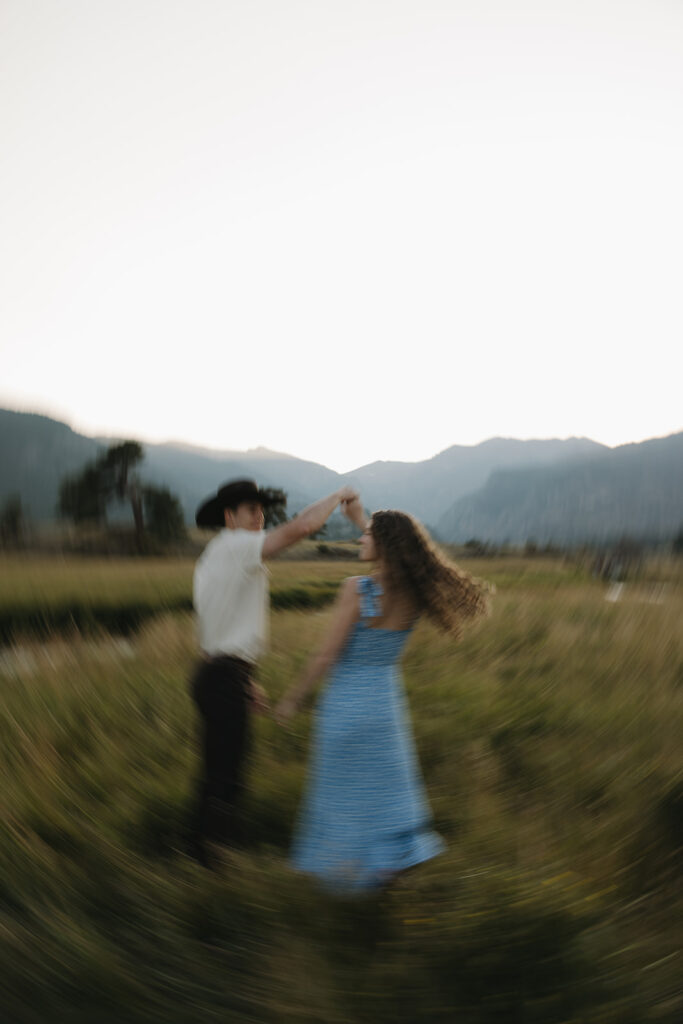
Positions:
{"x": 354, "y": 511}
{"x": 346, "y": 612}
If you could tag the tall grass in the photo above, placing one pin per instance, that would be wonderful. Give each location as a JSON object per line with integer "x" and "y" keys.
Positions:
{"x": 550, "y": 743}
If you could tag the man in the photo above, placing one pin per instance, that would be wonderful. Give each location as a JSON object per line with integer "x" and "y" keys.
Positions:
{"x": 231, "y": 601}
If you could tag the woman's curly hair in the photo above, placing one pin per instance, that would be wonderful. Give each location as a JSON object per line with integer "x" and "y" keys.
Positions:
{"x": 413, "y": 564}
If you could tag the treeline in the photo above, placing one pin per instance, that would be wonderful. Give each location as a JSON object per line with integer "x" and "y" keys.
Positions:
{"x": 95, "y": 500}
{"x": 100, "y": 500}
{"x": 113, "y": 478}
{"x": 629, "y": 549}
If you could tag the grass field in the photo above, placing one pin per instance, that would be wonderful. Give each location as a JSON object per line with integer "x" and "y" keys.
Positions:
{"x": 550, "y": 740}
{"x": 41, "y": 597}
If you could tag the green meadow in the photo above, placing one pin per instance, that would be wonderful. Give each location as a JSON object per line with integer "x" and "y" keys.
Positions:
{"x": 550, "y": 741}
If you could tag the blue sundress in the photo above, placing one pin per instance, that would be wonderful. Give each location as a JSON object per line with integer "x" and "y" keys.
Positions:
{"x": 365, "y": 813}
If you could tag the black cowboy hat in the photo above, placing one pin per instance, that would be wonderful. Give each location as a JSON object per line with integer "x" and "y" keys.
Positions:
{"x": 211, "y": 512}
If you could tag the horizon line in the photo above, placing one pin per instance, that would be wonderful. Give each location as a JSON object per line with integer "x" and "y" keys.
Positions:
{"x": 261, "y": 448}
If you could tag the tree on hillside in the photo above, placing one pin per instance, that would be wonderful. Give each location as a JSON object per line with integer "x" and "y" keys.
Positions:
{"x": 82, "y": 498}
{"x": 476, "y": 547}
{"x": 120, "y": 481}
{"x": 113, "y": 477}
{"x": 276, "y": 513}
{"x": 11, "y": 522}
{"x": 163, "y": 514}
{"x": 677, "y": 544}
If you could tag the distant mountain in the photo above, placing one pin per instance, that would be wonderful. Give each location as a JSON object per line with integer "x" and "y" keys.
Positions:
{"x": 192, "y": 475}
{"x": 221, "y": 454}
{"x": 635, "y": 490}
{"x": 427, "y": 489}
{"x": 502, "y": 489}
{"x": 36, "y": 452}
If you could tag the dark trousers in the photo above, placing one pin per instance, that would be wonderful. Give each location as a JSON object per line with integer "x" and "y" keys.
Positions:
{"x": 221, "y": 692}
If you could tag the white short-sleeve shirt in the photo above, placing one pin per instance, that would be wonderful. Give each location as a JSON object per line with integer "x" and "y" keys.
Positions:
{"x": 231, "y": 595}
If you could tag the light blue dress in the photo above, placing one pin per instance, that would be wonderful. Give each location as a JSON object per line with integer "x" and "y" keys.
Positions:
{"x": 365, "y": 813}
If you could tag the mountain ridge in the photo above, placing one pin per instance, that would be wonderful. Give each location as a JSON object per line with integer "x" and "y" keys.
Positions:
{"x": 501, "y": 489}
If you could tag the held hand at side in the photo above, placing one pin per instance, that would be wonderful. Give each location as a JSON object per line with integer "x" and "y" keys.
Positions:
{"x": 285, "y": 710}
{"x": 259, "y": 699}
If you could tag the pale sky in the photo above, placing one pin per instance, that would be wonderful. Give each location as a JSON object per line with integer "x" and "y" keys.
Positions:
{"x": 354, "y": 230}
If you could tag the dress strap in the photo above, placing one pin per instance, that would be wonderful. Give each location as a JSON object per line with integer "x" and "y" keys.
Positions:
{"x": 370, "y": 592}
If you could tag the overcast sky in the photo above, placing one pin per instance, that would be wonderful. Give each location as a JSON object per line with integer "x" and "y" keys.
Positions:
{"x": 354, "y": 230}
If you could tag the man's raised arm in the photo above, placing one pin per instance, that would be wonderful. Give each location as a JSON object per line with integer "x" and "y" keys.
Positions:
{"x": 309, "y": 521}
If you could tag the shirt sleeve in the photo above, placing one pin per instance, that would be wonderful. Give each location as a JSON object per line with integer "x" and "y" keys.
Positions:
{"x": 249, "y": 548}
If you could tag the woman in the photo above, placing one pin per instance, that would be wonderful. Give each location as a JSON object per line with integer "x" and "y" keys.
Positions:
{"x": 365, "y": 815}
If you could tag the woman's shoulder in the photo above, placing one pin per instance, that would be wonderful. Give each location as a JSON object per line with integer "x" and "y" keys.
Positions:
{"x": 362, "y": 585}
{"x": 369, "y": 591}
{"x": 356, "y": 582}
{"x": 361, "y": 592}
